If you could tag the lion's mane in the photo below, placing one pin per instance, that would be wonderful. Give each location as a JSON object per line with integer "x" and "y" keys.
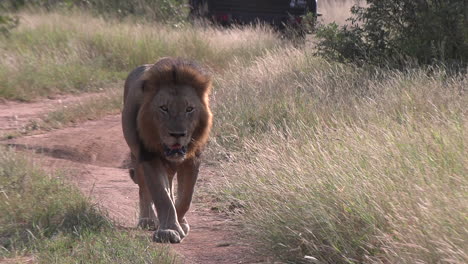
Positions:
{"x": 174, "y": 73}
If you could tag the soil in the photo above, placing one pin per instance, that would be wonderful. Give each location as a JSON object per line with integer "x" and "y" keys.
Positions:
{"x": 14, "y": 116}
{"x": 94, "y": 156}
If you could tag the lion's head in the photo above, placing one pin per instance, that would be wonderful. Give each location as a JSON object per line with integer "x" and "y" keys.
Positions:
{"x": 175, "y": 119}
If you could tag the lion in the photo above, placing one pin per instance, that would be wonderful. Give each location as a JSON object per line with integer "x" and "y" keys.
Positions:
{"x": 166, "y": 122}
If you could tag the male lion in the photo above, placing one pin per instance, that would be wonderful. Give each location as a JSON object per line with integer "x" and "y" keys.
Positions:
{"x": 166, "y": 121}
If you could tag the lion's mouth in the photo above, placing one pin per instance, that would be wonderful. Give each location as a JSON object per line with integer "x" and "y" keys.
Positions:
{"x": 175, "y": 151}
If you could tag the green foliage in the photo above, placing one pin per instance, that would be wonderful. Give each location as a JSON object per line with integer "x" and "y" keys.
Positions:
{"x": 105, "y": 247}
{"x": 395, "y": 32}
{"x": 342, "y": 45}
{"x": 309, "y": 22}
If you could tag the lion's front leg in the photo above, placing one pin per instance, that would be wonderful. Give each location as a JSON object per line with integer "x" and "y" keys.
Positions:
{"x": 147, "y": 218}
{"x": 187, "y": 175}
{"x": 159, "y": 188}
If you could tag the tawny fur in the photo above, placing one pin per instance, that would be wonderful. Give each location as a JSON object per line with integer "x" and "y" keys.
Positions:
{"x": 142, "y": 122}
{"x": 174, "y": 73}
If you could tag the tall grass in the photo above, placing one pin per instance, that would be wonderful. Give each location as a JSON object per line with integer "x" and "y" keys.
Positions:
{"x": 44, "y": 217}
{"x": 51, "y": 53}
{"x": 154, "y": 10}
{"x": 329, "y": 163}
{"x": 345, "y": 165}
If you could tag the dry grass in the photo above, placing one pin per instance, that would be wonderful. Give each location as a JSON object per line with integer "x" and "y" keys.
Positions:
{"x": 107, "y": 103}
{"x": 329, "y": 161}
{"x": 345, "y": 165}
{"x": 51, "y": 53}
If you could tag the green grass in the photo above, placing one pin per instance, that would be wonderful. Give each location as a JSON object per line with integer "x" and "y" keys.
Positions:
{"x": 345, "y": 165}
{"x": 68, "y": 53}
{"x": 105, "y": 247}
{"x": 50, "y": 220}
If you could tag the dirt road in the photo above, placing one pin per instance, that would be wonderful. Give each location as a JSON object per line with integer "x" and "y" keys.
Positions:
{"x": 95, "y": 157}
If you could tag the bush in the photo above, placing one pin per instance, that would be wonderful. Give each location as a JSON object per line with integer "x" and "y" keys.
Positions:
{"x": 395, "y": 32}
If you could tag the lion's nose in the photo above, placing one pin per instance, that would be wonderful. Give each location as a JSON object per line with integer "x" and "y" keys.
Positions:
{"x": 177, "y": 134}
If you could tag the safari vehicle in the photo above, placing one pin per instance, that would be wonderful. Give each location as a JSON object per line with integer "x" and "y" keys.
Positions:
{"x": 279, "y": 13}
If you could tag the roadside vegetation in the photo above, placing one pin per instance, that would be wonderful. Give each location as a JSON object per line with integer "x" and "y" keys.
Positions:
{"x": 400, "y": 34}
{"x": 49, "y": 221}
{"x": 172, "y": 11}
{"x": 354, "y": 156}
{"x": 107, "y": 103}
{"x": 51, "y": 53}
{"x": 336, "y": 164}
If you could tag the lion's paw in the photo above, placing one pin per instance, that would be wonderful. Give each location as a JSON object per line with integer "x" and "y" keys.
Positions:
{"x": 148, "y": 224}
{"x": 185, "y": 226}
{"x": 167, "y": 236}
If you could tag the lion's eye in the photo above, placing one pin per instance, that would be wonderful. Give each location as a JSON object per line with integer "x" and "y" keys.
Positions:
{"x": 189, "y": 109}
{"x": 164, "y": 108}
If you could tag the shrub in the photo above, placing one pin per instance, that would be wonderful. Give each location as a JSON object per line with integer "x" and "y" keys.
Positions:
{"x": 395, "y": 32}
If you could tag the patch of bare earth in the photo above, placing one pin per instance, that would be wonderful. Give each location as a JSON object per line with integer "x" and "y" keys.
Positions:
{"x": 14, "y": 116}
{"x": 95, "y": 157}
{"x": 22, "y": 260}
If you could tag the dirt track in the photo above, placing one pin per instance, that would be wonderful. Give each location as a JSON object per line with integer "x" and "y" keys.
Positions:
{"x": 94, "y": 155}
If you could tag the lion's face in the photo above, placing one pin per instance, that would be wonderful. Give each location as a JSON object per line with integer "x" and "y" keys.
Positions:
{"x": 176, "y": 113}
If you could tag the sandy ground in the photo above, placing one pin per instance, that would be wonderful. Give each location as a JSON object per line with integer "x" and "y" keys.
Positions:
{"x": 95, "y": 157}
